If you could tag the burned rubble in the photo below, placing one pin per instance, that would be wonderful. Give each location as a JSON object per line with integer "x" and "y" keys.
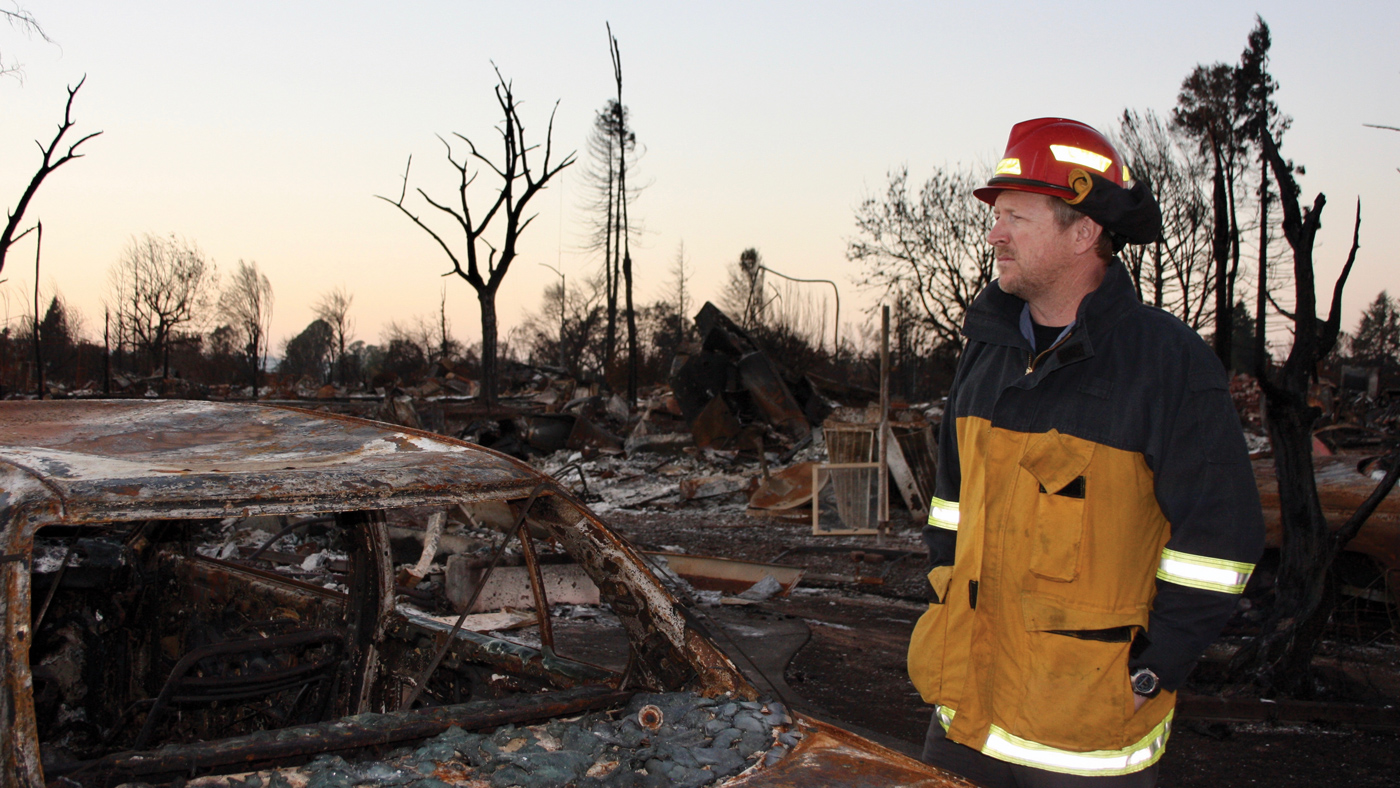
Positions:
{"x": 668, "y": 739}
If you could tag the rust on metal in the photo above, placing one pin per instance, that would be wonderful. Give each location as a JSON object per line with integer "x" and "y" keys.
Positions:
{"x": 532, "y": 566}
{"x": 651, "y": 717}
{"x": 128, "y": 460}
{"x": 729, "y": 575}
{"x": 760, "y": 377}
{"x": 788, "y": 488}
{"x": 1341, "y": 488}
{"x": 728, "y": 388}
{"x": 671, "y": 651}
{"x": 827, "y": 755}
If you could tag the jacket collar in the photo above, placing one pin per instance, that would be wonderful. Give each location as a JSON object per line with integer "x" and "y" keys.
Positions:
{"x": 995, "y": 315}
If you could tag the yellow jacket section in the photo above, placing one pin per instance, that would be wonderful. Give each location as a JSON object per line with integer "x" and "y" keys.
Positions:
{"x": 1043, "y": 563}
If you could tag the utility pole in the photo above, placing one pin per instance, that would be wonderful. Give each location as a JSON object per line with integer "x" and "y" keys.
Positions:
{"x": 38, "y": 346}
{"x": 106, "y": 352}
{"x": 563, "y": 300}
{"x": 883, "y": 525}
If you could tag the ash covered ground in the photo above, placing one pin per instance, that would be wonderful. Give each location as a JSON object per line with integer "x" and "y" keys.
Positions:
{"x": 670, "y": 739}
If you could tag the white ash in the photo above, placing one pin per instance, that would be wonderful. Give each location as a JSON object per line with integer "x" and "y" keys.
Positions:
{"x": 49, "y": 557}
{"x": 766, "y": 588}
{"x": 101, "y": 552}
{"x": 645, "y": 479}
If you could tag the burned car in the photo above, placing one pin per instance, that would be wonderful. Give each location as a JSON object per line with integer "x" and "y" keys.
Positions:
{"x": 145, "y": 643}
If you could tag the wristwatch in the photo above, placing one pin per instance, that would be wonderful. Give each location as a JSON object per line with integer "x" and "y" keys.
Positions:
{"x": 1145, "y": 683}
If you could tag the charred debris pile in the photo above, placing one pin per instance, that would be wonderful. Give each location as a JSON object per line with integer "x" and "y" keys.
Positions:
{"x": 733, "y": 427}
{"x": 669, "y": 739}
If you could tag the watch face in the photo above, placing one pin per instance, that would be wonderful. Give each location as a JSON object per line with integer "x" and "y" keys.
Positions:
{"x": 1144, "y": 682}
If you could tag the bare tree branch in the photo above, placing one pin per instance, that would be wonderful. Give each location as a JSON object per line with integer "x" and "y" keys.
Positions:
{"x": 1333, "y": 325}
{"x": 25, "y": 21}
{"x": 46, "y": 166}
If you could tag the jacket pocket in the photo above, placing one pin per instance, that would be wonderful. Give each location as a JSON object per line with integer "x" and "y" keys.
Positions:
{"x": 1058, "y": 463}
{"x": 1044, "y": 613}
{"x": 928, "y": 643}
{"x": 1077, "y": 696}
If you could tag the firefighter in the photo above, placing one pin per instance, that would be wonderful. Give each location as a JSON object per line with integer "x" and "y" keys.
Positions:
{"x": 1095, "y": 516}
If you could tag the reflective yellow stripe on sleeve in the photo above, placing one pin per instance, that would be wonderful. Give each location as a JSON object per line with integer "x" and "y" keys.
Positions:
{"x": 1208, "y": 574}
{"x": 943, "y": 514}
{"x": 1135, "y": 757}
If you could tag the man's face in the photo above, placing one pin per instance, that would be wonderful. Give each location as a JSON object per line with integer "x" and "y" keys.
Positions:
{"x": 1033, "y": 252}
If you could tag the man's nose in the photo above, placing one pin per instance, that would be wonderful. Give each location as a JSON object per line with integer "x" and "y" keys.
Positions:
{"x": 996, "y": 235}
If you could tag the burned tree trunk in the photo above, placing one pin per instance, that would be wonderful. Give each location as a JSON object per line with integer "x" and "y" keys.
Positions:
{"x": 1281, "y": 657}
{"x": 1220, "y": 251}
{"x": 487, "y": 299}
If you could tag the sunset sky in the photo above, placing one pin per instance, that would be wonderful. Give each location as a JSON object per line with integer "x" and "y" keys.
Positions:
{"x": 262, "y": 131}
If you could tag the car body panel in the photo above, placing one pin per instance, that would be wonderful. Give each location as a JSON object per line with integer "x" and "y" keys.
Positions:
{"x": 1341, "y": 489}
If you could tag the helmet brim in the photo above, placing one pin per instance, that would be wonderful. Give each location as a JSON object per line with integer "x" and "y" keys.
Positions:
{"x": 988, "y": 194}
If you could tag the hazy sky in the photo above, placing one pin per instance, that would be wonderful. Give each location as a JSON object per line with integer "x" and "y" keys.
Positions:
{"x": 262, "y": 131}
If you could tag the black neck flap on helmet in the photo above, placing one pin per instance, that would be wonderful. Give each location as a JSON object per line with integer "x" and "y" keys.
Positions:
{"x": 1130, "y": 216}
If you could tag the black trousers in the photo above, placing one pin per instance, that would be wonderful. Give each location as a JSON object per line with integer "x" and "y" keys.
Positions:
{"x": 992, "y": 773}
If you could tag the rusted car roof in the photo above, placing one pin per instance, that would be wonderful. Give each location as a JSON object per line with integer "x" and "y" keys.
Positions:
{"x": 120, "y": 460}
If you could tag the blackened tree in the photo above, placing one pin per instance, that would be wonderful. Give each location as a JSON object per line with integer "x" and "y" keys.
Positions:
{"x": 1207, "y": 109}
{"x": 1254, "y": 97}
{"x": 308, "y": 354}
{"x": 518, "y": 184}
{"x": 613, "y": 153}
{"x": 1174, "y": 272}
{"x": 1281, "y": 657}
{"x": 24, "y": 21}
{"x": 745, "y": 295}
{"x": 1377, "y": 338}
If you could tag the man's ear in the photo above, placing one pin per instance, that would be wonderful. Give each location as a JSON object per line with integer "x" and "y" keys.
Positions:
{"x": 1086, "y": 235}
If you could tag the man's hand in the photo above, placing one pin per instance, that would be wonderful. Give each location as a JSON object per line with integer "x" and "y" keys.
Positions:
{"x": 1138, "y": 700}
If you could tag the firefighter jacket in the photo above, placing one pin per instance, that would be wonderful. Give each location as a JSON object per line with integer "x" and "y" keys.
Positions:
{"x": 1095, "y": 511}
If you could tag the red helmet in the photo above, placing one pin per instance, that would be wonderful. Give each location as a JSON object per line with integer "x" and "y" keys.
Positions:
{"x": 1057, "y": 157}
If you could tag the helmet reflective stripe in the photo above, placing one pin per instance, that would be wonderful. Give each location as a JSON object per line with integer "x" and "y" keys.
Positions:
{"x": 943, "y": 514}
{"x": 1097, "y": 763}
{"x": 1208, "y": 574}
{"x": 1084, "y": 158}
{"x": 1008, "y": 167}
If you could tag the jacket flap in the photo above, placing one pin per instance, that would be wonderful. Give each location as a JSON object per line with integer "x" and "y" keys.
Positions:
{"x": 1055, "y": 459}
{"x": 1046, "y": 613}
{"x": 939, "y": 578}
